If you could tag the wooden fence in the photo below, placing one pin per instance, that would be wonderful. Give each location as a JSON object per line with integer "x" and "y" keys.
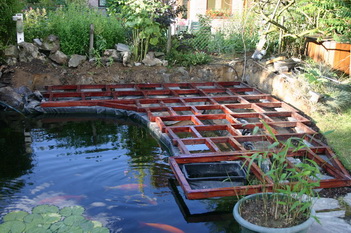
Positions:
{"x": 335, "y": 54}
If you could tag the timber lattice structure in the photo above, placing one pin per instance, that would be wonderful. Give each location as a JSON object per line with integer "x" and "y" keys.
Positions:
{"x": 211, "y": 122}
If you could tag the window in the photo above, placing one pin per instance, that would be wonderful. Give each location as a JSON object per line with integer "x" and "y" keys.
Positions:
{"x": 223, "y": 5}
{"x": 102, "y": 3}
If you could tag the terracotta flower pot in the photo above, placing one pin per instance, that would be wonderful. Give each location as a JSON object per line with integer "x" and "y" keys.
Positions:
{"x": 248, "y": 227}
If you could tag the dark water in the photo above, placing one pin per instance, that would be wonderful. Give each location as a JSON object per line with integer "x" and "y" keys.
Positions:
{"x": 113, "y": 168}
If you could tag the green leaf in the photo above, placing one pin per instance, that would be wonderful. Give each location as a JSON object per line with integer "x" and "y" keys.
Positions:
{"x": 34, "y": 218}
{"x": 100, "y": 230}
{"x": 73, "y": 220}
{"x": 71, "y": 210}
{"x": 56, "y": 226}
{"x": 87, "y": 226}
{"x": 154, "y": 41}
{"x": 12, "y": 226}
{"x": 16, "y": 215}
{"x": 44, "y": 209}
{"x": 51, "y": 217}
{"x": 255, "y": 130}
{"x": 97, "y": 224}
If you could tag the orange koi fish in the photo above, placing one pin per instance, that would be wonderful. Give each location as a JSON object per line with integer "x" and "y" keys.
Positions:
{"x": 57, "y": 199}
{"x": 164, "y": 227}
{"x": 127, "y": 186}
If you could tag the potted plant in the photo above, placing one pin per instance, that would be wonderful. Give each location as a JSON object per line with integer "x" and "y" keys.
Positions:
{"x": 288, "y": 208}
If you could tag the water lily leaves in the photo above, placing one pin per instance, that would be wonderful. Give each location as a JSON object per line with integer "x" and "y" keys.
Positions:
{"x": 16, "y": 215}
{"x": 100, "y": 230}
{"x": 48, "y": 219}
{"x": 51, "y": 217}
{"x": 86, "y": 225}
{"x": 34, "y": 219}
{"x": 56, "y": 226}
{"x": 97, "y": 224}
{"x": 12, "y": 226}
{"x": 43, "y": 209}
{"x": 71, "y": 210}
{"x": 73, "y": 220}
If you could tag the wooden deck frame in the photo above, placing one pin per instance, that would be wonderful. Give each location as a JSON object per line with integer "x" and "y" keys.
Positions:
{"x": 218, "y": 117}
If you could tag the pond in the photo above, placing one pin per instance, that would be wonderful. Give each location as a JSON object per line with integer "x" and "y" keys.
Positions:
{"x": 112, "y": 167}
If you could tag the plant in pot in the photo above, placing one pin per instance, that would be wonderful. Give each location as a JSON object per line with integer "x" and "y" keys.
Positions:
{"x": 288, "y": 207}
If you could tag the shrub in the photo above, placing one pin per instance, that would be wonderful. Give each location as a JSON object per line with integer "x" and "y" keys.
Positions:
{"x": 188, "y": 58}
{"x": 72, "y": 25}
{"x": 8, "y": 8}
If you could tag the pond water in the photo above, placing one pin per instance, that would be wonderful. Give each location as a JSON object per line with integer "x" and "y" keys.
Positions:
{"x": 112, "y": 167}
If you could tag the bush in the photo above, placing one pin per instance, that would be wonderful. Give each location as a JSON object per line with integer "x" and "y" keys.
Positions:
{"x": 188, "y": 58}
{"x": 8, "y": 8}
{"x": 72, "y": 25}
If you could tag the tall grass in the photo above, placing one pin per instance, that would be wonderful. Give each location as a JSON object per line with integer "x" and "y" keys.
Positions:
{"x": 72, "y": 25}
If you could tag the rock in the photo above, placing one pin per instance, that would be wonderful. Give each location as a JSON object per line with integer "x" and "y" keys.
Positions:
{"x": 38, "y": 42}
{"x": 112, "y": 54}
{"x": 137, "y": 64}
{"x": 325, "y": 204}
{"x": 347, "y": 199}
{"x": 149, "y": 61}
{"x": 329, "y": 224}
{"x": 315, "y": 97}
{"x": 51, "y": 43}
{"x": 11, "y": 51}
{"x": 159, "y": 54}
{"x": 9, "y": 96}
{"x": 76, "y": 60}
{"x": 126, "y": 58}
{"x": 11, "y": 61}
{"x": 122, "y": 47}
{"x": 28, "y": 52}
{"x": 164, "y": 62}
{"x": 59, "y": 57}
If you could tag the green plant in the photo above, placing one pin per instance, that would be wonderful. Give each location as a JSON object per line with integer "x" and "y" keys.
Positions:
{"x": 140, "y": 17}
{"x": 72, "y": 25}
{"x": 188, "y": 58}
{"x": 49, "y": 218}
{"x": 8, "y": 8}
{"x": 295, "y": 183}
{"x": 35, "y": 23}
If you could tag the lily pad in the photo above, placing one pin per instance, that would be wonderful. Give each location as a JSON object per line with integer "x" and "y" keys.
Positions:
{"x": 44, "y": 209}
{"x": 34, "y": 218}
{"x": 51, "y": 217}
{"x": 12, "y": 226}
{"x": 71, "y": 210}
{"x": 97, "y": 224}
{"x": 57, "y": 225}
{"x": 74, "y": 220}
{"x": 86, "y": 225}
{"x": 15, "y": 215}
{"x": 100, "y": 230}
{"x": 30, "y": 227}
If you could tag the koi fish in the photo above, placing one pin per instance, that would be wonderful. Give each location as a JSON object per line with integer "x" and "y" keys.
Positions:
{"x": 141, "y": 199}
{"x": 164, "y": 227}
{"x": 127, "y": 186}
{"x": 57, "y": 199}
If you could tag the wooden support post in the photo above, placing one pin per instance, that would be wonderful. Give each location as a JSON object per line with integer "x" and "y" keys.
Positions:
{"x": 91, "y": 44}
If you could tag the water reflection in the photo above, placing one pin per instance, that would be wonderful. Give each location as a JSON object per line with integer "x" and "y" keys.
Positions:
{"x": 113, "y": 168}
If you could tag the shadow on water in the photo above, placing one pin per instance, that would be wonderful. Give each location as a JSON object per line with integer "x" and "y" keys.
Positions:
{"x": 75, "y": 144}
{"x": 16, "y": 156}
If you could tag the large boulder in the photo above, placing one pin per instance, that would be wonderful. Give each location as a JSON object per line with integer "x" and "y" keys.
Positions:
{"x": 59, "y": 57}
{"x": 28, "y": 52}
{"x": 51, "y": 43}
{"x": 122, "y": 47}
{"x": 76, "y": 60}
{"x": 150, "y": 60}
{"x": 10, "y": 97}
{"x": 11, "y": 51}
